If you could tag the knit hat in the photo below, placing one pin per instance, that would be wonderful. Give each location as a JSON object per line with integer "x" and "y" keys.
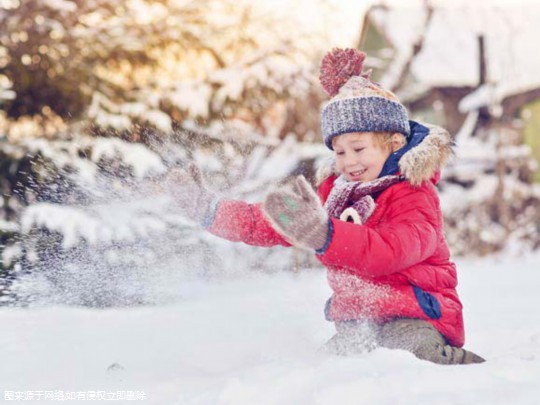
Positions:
{"x": 358, "y": 104}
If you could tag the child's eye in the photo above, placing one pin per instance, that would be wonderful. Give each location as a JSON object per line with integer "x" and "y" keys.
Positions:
{"x": 359, "y": 149}
{"x": 340, "y": 153}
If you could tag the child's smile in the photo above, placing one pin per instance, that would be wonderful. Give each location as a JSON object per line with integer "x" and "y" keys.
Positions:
{"x": 356, "y": 174}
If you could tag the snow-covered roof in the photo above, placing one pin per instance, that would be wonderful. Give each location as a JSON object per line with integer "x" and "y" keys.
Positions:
{"x": 450, "y": 51}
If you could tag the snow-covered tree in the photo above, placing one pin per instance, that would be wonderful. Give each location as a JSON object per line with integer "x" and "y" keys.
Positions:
{"x": 125, "y": 64}
{"x": 102, "y": 230}
{"x": 100, "y": 98}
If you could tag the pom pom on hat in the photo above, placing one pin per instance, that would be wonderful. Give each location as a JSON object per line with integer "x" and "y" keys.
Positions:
{"x": 338, "y": 66}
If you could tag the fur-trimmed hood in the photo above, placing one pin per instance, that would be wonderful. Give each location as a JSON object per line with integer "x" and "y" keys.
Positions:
{"x": 429, "y": 148}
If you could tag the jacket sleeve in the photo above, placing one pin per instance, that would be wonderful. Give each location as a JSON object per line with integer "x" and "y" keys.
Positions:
{"x": 405, "y": 235}
{"x": 239, "y": 221}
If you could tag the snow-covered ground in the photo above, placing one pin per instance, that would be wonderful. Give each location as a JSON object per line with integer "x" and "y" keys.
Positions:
{"x": 255, "y": 340}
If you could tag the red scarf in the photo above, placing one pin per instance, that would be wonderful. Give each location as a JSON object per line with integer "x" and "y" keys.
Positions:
{"x": 348, "y": 197}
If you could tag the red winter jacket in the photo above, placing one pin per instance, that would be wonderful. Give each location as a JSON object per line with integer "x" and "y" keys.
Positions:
{"x": 395, "y": 265}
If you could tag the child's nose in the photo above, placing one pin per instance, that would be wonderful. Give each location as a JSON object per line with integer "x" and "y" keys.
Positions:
{"x": 350, "y": 159}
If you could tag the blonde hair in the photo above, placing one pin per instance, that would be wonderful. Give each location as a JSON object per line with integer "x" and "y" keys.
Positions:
{"x": 383, "y": 140}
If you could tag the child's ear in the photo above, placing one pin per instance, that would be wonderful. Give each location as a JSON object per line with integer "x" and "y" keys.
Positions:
{"x": 397, "y": 141}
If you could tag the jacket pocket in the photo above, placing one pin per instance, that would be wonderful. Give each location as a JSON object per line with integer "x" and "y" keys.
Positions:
{"x": 429, "y": 304}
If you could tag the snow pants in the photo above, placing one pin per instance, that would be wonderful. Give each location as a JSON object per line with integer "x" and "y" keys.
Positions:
{"x": 414, "y": 335}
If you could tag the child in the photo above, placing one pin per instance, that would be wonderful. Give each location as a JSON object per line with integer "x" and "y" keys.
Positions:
{"x": 380, "y": 230}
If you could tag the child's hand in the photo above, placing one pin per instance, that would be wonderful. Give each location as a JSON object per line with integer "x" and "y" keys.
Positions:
{"x": 189, "y": 194}
{"x": 296, "y": 212}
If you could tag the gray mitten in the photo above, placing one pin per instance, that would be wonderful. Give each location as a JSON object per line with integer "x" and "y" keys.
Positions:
{"x": 189, "y": 194}
{"x": 297, "y": 213}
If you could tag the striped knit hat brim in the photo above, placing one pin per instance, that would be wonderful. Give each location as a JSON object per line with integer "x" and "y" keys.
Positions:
{"x": 363, "y": 114}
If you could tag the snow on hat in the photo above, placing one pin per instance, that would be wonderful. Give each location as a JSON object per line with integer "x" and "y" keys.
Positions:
{"x": 358, "y": 104}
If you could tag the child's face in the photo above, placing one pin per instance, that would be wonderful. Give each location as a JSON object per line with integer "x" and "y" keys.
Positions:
{"x": 358, "y": 157}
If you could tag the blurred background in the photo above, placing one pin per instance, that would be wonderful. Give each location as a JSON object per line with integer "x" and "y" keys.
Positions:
{"x": 99, "y": 99}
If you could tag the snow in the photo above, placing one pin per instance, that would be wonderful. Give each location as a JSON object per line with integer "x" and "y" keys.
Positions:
{"x": 10, "y": 254}
{"x": 112, "y": 222}
{"x": 467, "y": 128}
{"x": 263, "y": 69}
{"x": 286, "y": 157}
{"x": 121, "y": 117}
{"x": 483, "y": 96}
{"x": 8, "y": 226}
{"x": 139, "y": 159}
{"x": 256, "y": 339}
{"x": 69, "y": 221}
{"x": 159, "y": 119}
{"x": 7, "y": 94}
{"x": 148, "y": 12}
{"x": 509, "y": 28}
{"x": 61, "y": 5}
{"x": 115, "y": 121}
{"x": 193, "y": 98}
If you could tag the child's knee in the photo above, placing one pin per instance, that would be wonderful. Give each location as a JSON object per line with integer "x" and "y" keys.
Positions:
{"x": 409, "y": 334}
{"x": 352, "y": 337}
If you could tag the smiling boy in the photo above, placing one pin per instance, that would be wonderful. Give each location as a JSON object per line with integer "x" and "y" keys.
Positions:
{"x": 375, "y": 222}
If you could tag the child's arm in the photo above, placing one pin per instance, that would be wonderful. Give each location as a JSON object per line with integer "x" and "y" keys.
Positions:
{"x": 406, "y": 235}
{"x": 239, "y": 221}
{"x": 233, "y": 220}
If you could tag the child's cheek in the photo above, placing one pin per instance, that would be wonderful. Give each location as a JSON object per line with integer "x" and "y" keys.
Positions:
{"x": 339, "y": 164}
